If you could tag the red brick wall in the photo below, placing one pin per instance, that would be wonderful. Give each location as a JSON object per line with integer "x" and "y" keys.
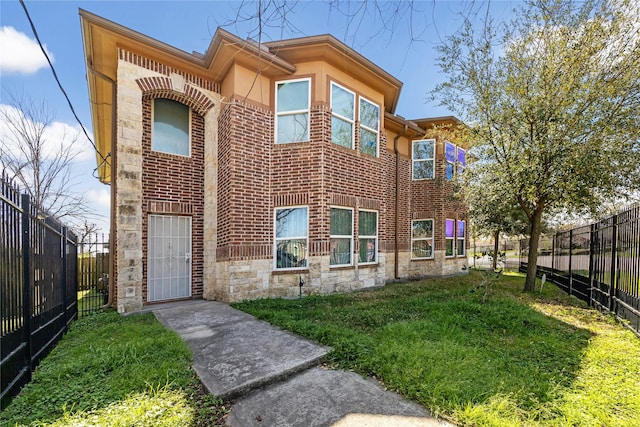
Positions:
{"x": 352, "y": 174}
{"x": 174, "y": 185}
{"x": 244, "y": 218}
{"x": 404, "y": 207}
{"x": 255, "y": 175}
{"x": 298, "y": 170}
{"x": 435, "y": 199}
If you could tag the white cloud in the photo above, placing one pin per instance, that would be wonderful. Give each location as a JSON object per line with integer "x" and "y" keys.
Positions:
{"x": 54, "y": 135}
{"x": 101, "y": 199}
{"x": 58, "y": 132}
{"x": 20, "y": 54}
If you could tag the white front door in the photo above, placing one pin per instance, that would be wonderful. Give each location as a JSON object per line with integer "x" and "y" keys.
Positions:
{"x": 169, "y": 257}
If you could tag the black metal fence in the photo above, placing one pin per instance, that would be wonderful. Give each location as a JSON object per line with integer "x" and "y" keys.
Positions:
{"x": 93, "y": 274}
{"x": 598, "y": 263}
{"x": 38, "y": 273}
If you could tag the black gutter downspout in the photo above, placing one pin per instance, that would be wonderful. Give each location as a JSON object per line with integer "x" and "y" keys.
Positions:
{"x": 112, "y": 154}
{"x": 396, "y": 273}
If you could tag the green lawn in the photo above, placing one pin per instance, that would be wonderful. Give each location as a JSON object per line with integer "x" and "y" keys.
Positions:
{"x": 517, "y": 359}
{"x": 89, "y": 302}
{"x": 112, "y": 370}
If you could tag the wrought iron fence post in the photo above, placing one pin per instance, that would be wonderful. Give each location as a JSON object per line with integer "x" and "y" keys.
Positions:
{"x": 74, "y": 271}
{"x": 63, "y": 249}
{"x": 26, "y": 279}
{"x": 614, "y": 249}
{"x": 553, "y": 257}
{"x": 570, "y": 257}
{"x": 592, "y": 239}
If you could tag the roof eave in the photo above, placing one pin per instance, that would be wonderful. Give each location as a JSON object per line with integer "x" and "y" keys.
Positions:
{"x": 431, "y": 121}
{"x": 393, "y": 85}
{"x": 224, "y": 40}
{"x": 397, "y": 124}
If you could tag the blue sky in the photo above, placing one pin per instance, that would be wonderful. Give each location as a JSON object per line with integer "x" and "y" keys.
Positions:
{"x": 189, "y": 25}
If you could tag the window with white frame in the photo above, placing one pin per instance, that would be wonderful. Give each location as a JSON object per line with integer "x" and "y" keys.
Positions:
{"x": 462, "y": 161}
{"x": 171, "y": 127}
{"x": 291, "y": 237}
{"x": 450, "y": 160}
{"x": 369, "y": 127}
{"x": 341, "y": 236}
{"x": 343, "y": 105}
{"x": 460, "y": 235}
{"x": 423, "y": 159}
{"x": 449, "y": 236}
{"x": 368, "y": 237}
{"x": 422, "y": 239}
{"x": 293, "y": 99}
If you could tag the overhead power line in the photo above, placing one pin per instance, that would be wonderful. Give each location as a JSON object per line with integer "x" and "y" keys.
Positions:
{"x": 55, "y": 76}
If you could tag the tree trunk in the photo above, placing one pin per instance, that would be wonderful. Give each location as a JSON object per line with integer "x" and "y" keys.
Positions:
{"x": 496, "y": 248}
{"x": 532, "y": 259}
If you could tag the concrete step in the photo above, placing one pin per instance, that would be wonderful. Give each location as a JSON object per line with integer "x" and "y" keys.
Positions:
{"x": 272, "y": 374}
{"x": 319, "y": 397}
{"x": 233, "y": 352}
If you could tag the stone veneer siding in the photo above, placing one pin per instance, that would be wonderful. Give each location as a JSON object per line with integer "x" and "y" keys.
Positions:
{"x": 139, "y": 78}
{"x": 256, "y": 176}
{"x": 235, "y": 179}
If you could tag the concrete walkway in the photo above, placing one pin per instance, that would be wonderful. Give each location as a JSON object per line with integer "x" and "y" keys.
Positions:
{"x": 273, "y": 375}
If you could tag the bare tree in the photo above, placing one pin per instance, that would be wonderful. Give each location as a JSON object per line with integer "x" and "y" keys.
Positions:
{"x": 86, "y": 232}
{"x": 41, "y": 166}
{"x": 362, "y": 21}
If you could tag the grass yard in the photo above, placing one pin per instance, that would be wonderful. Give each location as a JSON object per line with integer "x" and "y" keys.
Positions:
{"x": 89, "y": 302}
{"x": 112, "y": 370}
{"x": 518, "y": 359}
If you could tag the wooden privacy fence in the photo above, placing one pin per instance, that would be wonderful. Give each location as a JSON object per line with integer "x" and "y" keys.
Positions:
{"x": 598, "y": 263}
{"x": 38, "y": 274}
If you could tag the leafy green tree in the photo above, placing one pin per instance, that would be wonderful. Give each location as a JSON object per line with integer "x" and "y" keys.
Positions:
{"x": 552, "y": 98}
{"x": 492, "y": 209}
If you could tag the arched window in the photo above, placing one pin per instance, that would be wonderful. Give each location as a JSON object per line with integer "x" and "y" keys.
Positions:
{"x": 171, "y": 127}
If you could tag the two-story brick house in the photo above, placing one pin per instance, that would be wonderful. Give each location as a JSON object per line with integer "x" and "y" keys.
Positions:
{"x": 240, "y": 172}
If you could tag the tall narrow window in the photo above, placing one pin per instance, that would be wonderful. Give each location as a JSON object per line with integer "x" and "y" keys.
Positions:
{"x": 423, "y": 156}
{"x": 461, "y": 238}
{"x": 341, "y": 239}
{"x": 291, "y": 237}
{"x": 450, "y": 159}
{"x": 170, "y": 132}
{"x": 343, "y": 104}
{"x": 292, "y": 110}
{"x": 449, "y": 235}
{"x": 368, "y": 237}
{"x": 369, "y": 127}
{"x": 462, "y": 161}
{"x": 422, "y": 239}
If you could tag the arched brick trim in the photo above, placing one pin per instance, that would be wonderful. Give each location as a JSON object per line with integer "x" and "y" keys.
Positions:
{"x": 161, "y": 87}
{"x": 148, "y": 84}
{"x": 149, "y": 64}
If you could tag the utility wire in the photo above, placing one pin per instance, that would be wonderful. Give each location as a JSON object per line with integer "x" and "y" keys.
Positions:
{"x": 55, "y": 76}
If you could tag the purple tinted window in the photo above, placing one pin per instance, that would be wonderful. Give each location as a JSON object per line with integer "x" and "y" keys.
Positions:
{"x": 450, "y": 152}
{"x": 449, "y": 227}
{"x": 449, "y": 171}
{"x": 460, "y": 228}
{"x": 462, "y": 157}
